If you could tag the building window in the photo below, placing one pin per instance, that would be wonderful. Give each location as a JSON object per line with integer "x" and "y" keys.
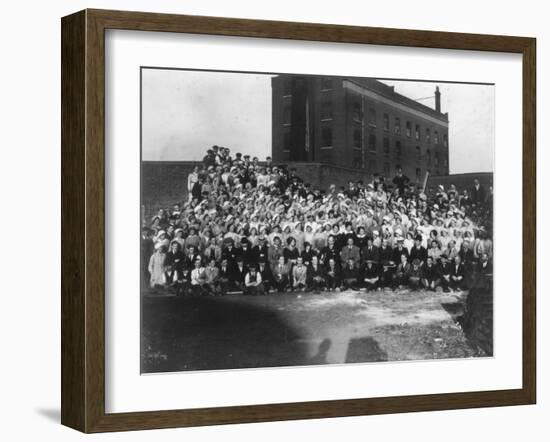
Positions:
{"x": 436, "y": 137}
{"x": 445, "y": 140}
{"x": 326, "y": 137}
{"x": 445, "y": 163}
{"x": 418, "y": 155}
{"x": 373, "y": 167}
{"x": 287, "y": 88}
{"x": 326, "y": 83}
{"x": 428, "y": 135}
{"x": 357, "y": 163}
{"x": 397, "y": 126}
{"x": 408, "y": 129}
{"x": 428, "y": 156}
{"x": 372, "y": 143}
{"x": 397, "y": 148}
{"x": 326, "y": 111}
{"x": 358, "y": 138}
{"x": 418, "y": 173}
{"x": 372, "y": 117}
{"x": 286, "y": 141}
{"x": 356, "y": 111}
{"x": 436, "y": 159}
{"x": 386, "y": 122}
{"x": 287, "y": 114}
{"x": 417, "y": 132}
{"x": 386, "y": 169}
{"x": 386, "y": 144}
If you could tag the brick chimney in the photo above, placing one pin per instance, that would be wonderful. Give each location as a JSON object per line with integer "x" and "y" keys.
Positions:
{"x": 437, "y": 99}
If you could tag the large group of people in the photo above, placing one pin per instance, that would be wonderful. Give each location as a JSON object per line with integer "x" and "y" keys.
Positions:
{"x": 257, "y": 227}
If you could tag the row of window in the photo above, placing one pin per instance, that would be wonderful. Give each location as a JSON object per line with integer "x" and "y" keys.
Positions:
{"x": 357, "y": 115}
{"x": 326, "y": 84}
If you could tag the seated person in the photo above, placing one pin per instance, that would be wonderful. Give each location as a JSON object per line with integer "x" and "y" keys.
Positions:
{"x": 211, "y": 274}
{"x": 332, "y": 274}
{"x": 387, "y": 275}
{"x": 370, "y": 275}
{"x": 267, "y": 277}
{"x": 403, "y": 272}
{"x": 415, "y": 275}
{"x": 239, "y": 272}
{"x": 253, "y": 281}
{"x": 183, "y": 284}
{"x": 350, "y": 275}
{"x": 299, "y": 275}
{"x": 281, "y": 275}
{"x": 457, "y": 281}
{"x": 225, "y": 278}
{"x": 444, "y": 273}
{"x": 316, "y": 275}
{"x": 429, "y": 274}
{"x": 198, "y": 279}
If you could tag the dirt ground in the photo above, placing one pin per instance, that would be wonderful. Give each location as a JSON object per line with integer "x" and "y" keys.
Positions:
{"x": 237, "y": 331}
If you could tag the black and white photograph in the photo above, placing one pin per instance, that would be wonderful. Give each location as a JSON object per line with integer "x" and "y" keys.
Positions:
{"x": 298, "y": 220}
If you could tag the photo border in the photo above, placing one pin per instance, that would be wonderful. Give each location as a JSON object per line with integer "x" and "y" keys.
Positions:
{"x": 83, "y": 220}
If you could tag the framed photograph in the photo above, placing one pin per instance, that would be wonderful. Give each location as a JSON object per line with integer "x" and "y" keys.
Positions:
{"x": 268, "y": 220}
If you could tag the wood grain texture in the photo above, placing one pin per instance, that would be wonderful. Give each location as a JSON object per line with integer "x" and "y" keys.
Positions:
{"x": 83, "y": 220}
{"x": 73, "y": 211}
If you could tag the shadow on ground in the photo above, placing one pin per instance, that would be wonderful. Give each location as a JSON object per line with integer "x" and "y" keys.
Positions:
{"x": 217, "y": 333}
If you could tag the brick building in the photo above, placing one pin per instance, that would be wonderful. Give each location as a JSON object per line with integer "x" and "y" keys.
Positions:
{"x": 357, "y": 123}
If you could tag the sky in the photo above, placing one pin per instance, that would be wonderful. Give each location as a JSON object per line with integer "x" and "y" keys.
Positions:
{"x": 186, "y": 112}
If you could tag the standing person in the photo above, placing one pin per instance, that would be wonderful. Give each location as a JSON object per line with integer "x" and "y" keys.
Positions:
{"x": 418, "y": 251}
{"x": 253, "y": 281}
{"x": 147, "y": 249}
{"x": 192, "y": 179}
{"x": 299, "y": 275}
{"x": 477, "y": 194}
{"x": 429, "y": 274}
{"x": 316, "y": 278}
{"x": 157, "y": 268}
{"x": 350, "y": 275}
{"x": 330, "y": 251}
{"x": 281, "y": 274}
{"x": 370, "y": 275}
{"x": 370, "y": 252}
{"x": 275, "y": 252}
{"x": 350, "y": 251}
{"x": 400, "y": 181}
{"x": 332, "y": 275}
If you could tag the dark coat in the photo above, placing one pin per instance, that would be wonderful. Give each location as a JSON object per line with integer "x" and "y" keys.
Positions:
{"x": 419, "y": 253}
{"x": 397, "y": 254}
{"x": 373, "y": 254}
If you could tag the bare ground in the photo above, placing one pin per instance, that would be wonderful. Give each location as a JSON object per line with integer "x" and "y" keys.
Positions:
{"x": 237, "y": 331}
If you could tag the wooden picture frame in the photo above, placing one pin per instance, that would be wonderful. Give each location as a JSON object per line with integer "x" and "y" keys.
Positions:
{"x": 83, "y": 220}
